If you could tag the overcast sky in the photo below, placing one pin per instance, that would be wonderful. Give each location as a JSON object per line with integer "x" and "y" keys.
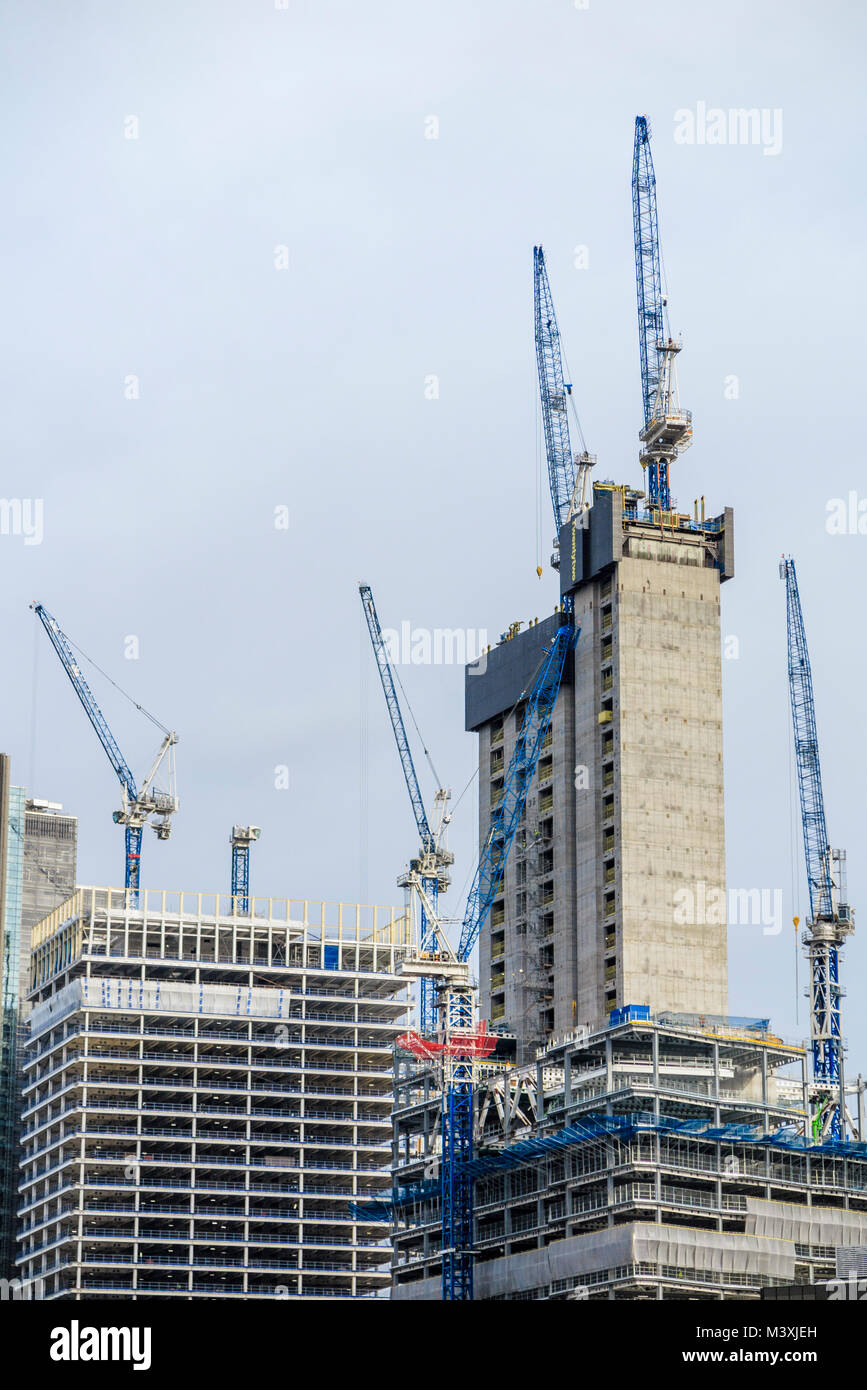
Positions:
{"x": 233, "y": 256}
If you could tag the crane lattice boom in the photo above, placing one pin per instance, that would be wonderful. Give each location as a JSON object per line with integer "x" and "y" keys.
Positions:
{"x": 830, "y": 918}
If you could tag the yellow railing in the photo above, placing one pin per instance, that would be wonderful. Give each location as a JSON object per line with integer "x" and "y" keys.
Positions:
{"x": 329, "y": 920}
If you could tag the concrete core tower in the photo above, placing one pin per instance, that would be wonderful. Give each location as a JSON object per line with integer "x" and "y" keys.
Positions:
{"x": 615, "y": 888}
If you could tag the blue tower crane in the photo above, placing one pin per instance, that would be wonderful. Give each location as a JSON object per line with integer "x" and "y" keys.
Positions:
{"x": 138, "y": 805}
{"x": 457, "y": 1110}
{"x": 458, "y": 1042}
{"x": 433, "y": 861}
{"x": 667, "y": 429}
{"x": 243, "y": 836}
{"x": 567, "y": 479}
{"x": 831, "y": 919}
{"x": 567, "y": 474}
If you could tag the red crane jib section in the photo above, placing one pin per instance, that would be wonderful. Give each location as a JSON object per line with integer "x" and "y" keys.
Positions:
{"x": 476, "y": 1042}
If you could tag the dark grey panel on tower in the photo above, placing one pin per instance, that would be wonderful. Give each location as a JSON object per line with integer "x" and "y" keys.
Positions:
{"x": 591, "y": 540}
{"x": 728, "y": 544}
{"x": 494, "y": 683}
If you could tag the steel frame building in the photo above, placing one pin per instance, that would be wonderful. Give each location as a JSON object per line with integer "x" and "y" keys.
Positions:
{"x": 650, "y": 1159}
{"x": 205, "y": 1095}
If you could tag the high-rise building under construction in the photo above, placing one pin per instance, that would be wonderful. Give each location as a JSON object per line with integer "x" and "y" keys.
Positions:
{"x": 613, "y": 892}
{"x": 37, "y": 872}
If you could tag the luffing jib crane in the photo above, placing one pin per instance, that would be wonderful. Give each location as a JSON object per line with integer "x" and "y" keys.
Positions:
{"x": 433, "y": 861}
{"x": 831, "y": 919}
{"x": 461, "y": 1042}
{"x": 138, "y": 804}
{"x": 567, "y": 473}
{"x": 667, "y": 429}
{"x": 243, "y": 836}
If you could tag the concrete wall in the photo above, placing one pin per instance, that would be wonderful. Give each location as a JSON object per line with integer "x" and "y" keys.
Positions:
{"x": 636, "y": 801}
{"x": 671, "y": 830}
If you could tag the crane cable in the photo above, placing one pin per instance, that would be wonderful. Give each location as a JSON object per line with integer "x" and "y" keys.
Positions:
{"x": 147, "y": 714}
{"x": 417, "y": 729}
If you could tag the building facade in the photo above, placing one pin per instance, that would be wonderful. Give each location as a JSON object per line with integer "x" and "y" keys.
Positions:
{"x": 622, "y": 847}
{"x": 206, "y": 1095}
{"x": 37, "y": 871}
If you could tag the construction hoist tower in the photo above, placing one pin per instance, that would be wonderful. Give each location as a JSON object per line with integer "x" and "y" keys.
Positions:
{"x": 831, "y": 918}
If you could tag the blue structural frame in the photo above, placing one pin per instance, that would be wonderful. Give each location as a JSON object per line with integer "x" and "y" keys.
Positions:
{"x": 427, "y": 989}
{"x": 553, "y": 392}
{"x": 241, "y": 877}
{"x": 825, "y": 964}
{"x": 133, "y": 833}
{"x": 651, "y": 307}
{"x": 457, "y": 1148}
{"x": 457, "y": 1111}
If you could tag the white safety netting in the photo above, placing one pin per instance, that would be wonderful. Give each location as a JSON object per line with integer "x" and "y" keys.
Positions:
{"x": 803, "y": 1225}
{"x": 242, "y": 1001}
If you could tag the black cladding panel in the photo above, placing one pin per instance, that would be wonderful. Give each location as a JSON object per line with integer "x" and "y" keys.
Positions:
{"x": 591, "y": 540}
{"x": 494, "y": 683}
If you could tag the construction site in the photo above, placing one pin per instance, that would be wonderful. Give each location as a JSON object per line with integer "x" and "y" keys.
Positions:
{"x": 540, "y": 1095}
{"x": 592, "y": 1123}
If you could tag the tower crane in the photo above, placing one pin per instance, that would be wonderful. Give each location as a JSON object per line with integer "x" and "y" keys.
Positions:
{"x": 431, "y": 866}
{"x": 831, "y": 919}
{"x": 456, "y": 1041}
{"x": 459, "y": 1042}
{"x": 138, "y": 804}
{"x": 243, "y": 836}
{"x": 667, "y": 429}
{"x": 567, "y": 473}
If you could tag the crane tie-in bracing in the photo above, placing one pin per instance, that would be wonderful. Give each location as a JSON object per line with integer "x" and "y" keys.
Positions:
{"x": 831, "y": 919}
{"x": 138, "y": 805}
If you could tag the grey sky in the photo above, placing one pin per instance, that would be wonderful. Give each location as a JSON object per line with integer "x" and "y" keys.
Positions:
{"x": 408, "y": 257}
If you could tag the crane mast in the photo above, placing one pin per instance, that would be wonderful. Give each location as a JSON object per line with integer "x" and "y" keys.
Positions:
{"x": 243, "y": 836}
{"x": 459, "y": 1042}
{"x": 831, "y": 918}
{"x": 667, "y": 429}
{"x": 138, "y": 805}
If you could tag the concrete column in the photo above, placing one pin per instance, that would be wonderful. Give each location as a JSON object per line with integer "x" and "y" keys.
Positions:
{"x": 655, "y": 1057}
